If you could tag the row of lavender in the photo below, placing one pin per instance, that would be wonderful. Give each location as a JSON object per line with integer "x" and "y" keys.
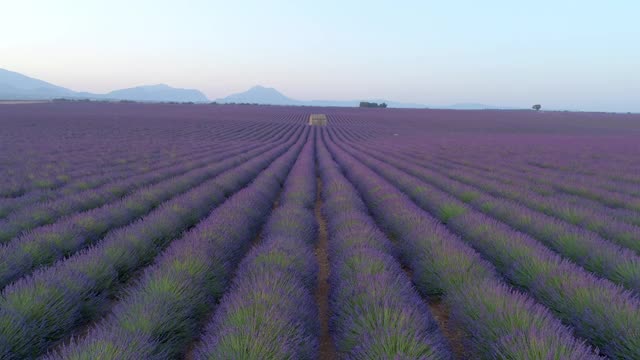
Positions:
{"x": 158, "y": 160}
{"x": 580, "y": 245}
{"x": 103, "y": 174}
{"x": 619, "y": 195}
{"x": 590, "y": 146}
{"x": 30, "y": 216}
{"x": 605, "y": 314}
{"x": 477, "y": 147}
{"x": 619, "y": 225}
{"x": 499, "y": 322}
{"x": 586, "y": 248}
{"x": 46, "y": 146}
{"x": 27, "y": 215}
{"x": 583, "y": 247}
{"x": 576, "y": 199}
{"x": 269, "y": 311}
{"x": 36, "y": 170}
{"x": 375, "y": 311}
{"x": 175, "y": 262}
{"x": 614, "y": 217}
{"x": 47, "y": 244}
{"x": 160, "y": 314}
{"x": 575, "y": 178}
{"x": 112, "y": 174}
{"x": 39, "y": 310}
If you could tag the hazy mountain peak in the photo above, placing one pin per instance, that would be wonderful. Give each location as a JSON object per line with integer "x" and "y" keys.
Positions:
{"x": 15, "y": 86}
{"x": 156, "y": 86}
{"x": 158, "y": 92}
{"x": 264, "y": 90}
{"x": 23, "y": 82}
{"x": 259, "y": 95}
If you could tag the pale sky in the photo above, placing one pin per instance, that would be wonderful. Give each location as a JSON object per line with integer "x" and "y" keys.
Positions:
{"x": 563, "y": 54}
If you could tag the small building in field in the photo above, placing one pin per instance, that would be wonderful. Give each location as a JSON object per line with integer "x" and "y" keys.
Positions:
{"x": 318, "y": 120}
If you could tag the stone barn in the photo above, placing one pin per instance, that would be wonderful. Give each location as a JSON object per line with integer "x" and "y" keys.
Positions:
{"x": 318, "y": 120}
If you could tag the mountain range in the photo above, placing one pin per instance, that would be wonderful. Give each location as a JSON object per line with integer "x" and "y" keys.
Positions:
{"x": 15, "y": 86}
{"x": 270, "y": 96}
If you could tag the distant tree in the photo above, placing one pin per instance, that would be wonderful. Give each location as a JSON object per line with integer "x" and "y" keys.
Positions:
{"x": 366, "y": 104}
{"x": 537, "y": 107}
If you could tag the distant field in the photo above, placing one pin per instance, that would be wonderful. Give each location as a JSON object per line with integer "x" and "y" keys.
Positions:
{"x": 140, "y": 231}
{"x": 19, "y": 102}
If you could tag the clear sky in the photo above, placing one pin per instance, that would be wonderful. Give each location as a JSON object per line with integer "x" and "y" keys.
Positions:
{"x": 563, "y": 54}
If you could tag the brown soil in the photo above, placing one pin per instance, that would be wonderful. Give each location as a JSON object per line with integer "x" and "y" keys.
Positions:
{"x": 408, "y": 271}
{"x": 452, "y": 332}
{"x": 190, "y": 353}
{"x": 105, "y": 308}
{"x": 327, "y": 349}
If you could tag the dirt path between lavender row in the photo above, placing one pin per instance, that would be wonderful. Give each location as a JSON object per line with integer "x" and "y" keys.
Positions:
{"x": 451, "y": 331}
{"x": 327, "y": 349}
{"x": 190, "y": 352}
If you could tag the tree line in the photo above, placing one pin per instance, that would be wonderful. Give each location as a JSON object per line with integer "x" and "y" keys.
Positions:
{"x": 366, "y": 104}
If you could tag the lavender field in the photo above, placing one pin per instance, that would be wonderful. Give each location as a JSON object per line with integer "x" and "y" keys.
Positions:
{"x": 156, "y": 231}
